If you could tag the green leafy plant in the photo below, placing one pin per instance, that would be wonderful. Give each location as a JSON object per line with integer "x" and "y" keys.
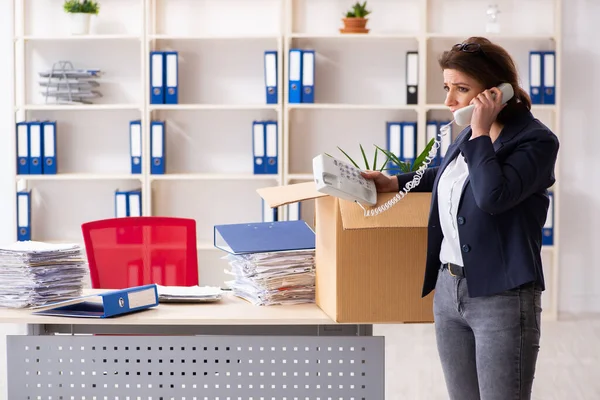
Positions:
{"x": 358, "y": 10}
{"x": 81, "y": 6}
{"x": 402, "y": 165}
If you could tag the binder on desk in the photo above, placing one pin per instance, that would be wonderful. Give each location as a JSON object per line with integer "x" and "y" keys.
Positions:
{"x": 35, "y": 148}
{"x": 171, "y": 77}
{"x": 535, "y": 77}
{"x": 271, "y": 76}
{"x": 263, "y": 237}
{"x": 295, "y": 76}
{"x": 104, "y": 305}
{"x": 258, "y": 147}
{"x": 134, "y": 203}
{"x": 49, "y": 142}
{"x": 22, "y": 148}
{"x": 431, "y": 132}
{"x": 135, "y": 146}
{"x": 24, "y": 215}
{"x": 548, "y": 229}
{"x": 157, "y": 148}
{"x": 268, "y": 214}
{"x": 271, "y": 149}
{"x": 394, "y": 145}
{"x": 409, "y": 142}
{"x": 412, "y": 77}
{"x": 121, "y": 204}
{"x": 549, "y": 71}
{"x": 308, "y": 76}
{"x": 157, "y": 77}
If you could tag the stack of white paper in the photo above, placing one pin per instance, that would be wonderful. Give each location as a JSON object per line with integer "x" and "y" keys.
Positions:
{"x": 36, "y": 273}
{"x": 286, "y": 277}
{"x": 187, "y": 294}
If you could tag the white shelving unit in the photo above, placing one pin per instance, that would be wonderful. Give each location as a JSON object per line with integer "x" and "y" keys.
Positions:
{"x": 359, "y": 85}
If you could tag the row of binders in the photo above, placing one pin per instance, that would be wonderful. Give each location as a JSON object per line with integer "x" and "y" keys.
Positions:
{"x": 157, "y": 147}
{"x": 128, "y": 203}
{"x": 265, "y": 147}
{"x": 542, "y": 77}
{"x": 36, "y": 147}
{"x": 164, "y": 80}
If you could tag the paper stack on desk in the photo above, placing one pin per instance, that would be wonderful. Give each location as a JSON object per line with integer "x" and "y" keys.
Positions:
{"x": 286, "y": 277}
{"x": 272, "y": 262}
{"x": 37, "y": 273}
{"x": 188, "y": 294}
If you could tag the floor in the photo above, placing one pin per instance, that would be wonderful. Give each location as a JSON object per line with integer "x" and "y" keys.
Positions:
{"x": 568, "y": 366}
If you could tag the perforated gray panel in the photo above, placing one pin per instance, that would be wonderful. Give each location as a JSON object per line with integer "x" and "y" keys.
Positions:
{"x": 195, "y": 368}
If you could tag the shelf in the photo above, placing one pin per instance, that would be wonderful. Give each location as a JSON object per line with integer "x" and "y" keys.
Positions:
{"x": 79, "y": 37}
{"x": 534, "y": 107}
{"x": 78, "y": 107}
{"x": 172, "y": 107}
{"x": 78, "y": 177}
{"x": 215, "y": 37}
{"x": 212, "y": 177}
{"x": 491, "y": 36}
{"x": 333, "y": 106}
{"x": 368, "y": 36}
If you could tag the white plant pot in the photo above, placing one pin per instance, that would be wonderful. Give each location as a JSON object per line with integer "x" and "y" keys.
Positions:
{"x": 80, "y": 23}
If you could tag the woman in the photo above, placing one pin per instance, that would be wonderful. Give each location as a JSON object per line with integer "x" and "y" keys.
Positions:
{"x": 489, "y": 205}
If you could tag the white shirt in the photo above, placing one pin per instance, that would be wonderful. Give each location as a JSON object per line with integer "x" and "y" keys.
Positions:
{"x": 449, "y": 192}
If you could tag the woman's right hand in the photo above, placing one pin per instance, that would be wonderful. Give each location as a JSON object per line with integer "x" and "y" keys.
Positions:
{"x": 383, "y": 183}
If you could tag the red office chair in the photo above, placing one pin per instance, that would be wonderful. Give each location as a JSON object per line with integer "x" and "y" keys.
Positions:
{"x": 134, "y": 251}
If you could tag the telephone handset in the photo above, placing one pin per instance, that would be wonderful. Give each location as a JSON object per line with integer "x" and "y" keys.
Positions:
{"x": 340, "y": 179}
{"x": 462, "y": 116}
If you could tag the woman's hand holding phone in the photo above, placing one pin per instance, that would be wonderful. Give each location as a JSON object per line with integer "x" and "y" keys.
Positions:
{"x": 383, "y": 183}
{"x": 488, "y": 105}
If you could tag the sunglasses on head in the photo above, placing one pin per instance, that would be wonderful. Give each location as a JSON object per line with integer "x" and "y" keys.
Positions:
{"x": 468, "y": 47}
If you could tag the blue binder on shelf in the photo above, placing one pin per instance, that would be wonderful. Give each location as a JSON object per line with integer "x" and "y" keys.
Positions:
{"x": 157, "y": 148}
{"x": 295, "y": 76}
{"x": 536, "y": 72}
{"x": 294, "y": 211}
{"x": 263, "y": 237}
{"x": 271, "y": 149}
{"x": 121, "y": 204}
{"x": 171, "y": 77}
{"x": 259, "y": 147}
{"x": 104, "y": 305}
{"x": 394, "y": 145}
{"x": 22, "y": 148}
{"x": 308, "y": 76}
{"x": 271, "y": 77}
{"x": 49, "y": 143}
{"x": 269, "y": 214}
{"x": 409, "y": 142}
{"x": 135, "y": 146}
{"x": 549, "y": 72}
{"x": 24, "y": 215}
{"x": 35, "y": 148}
{"x": 134, "y": 203}
{"x": 548, "y": 229}
{"x": 157, "y": 77}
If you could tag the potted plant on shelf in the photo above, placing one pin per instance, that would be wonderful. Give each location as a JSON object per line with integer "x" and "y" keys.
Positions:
{"x": 80, "y": 12}
{"x": 355, "y": 21}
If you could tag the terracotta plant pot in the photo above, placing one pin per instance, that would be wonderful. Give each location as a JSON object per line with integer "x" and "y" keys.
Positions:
{"x": 354, "y": 25}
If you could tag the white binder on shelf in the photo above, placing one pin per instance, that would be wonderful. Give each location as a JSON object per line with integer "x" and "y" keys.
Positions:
{"x": 171, "y": 77}
{"x": 258, "y": 147}
{"x": 157, "y": 148}
{"x": 535, "y": 77}
{"x": 549, "y": 71}
{"x": 35, "y": 148}
{"x": 23, "y": 148}
{"x": 295, "y": 77}
{"x": 121, "y": 204}
{"x": 157, "y": 77}
{"x": 134, "y": 203}
{"x": 24, "y": 215}
{"x": 308, "y": 76}
{"x": 135, "y": 146}
{"x": 49, "y": 142}
{"x": 271, "y": 77}
{"x": 394, "y": 145}
{"x": 409, "y": 142}
{"x": 271, "y": 149}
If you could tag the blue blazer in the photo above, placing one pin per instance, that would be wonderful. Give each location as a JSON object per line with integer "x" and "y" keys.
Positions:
{"x": 503, "y": 207}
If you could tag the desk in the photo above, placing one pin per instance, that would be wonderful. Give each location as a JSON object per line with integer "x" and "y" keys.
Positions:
{"x": 229, "y": 350}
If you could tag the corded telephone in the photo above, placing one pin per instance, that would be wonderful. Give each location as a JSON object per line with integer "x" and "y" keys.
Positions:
{"x": 340, "y": 179}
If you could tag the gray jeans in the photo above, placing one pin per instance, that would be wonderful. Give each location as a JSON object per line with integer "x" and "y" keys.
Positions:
{"x": 488, "y": 346}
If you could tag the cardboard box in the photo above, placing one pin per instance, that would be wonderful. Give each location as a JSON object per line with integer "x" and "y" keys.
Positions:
{"x": 369, "y": 269}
